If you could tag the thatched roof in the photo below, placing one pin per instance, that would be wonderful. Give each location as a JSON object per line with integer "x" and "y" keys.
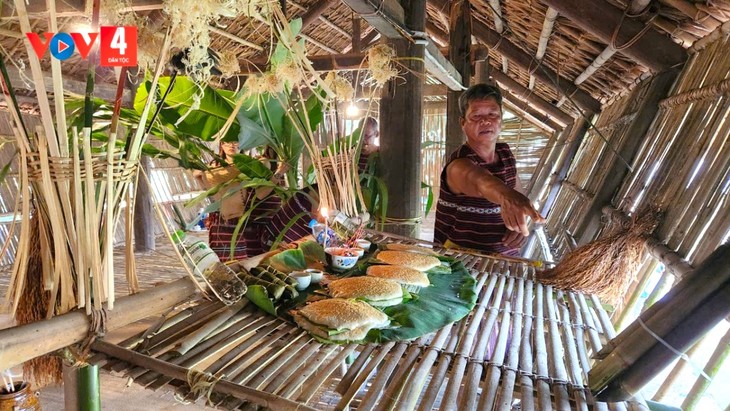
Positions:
{"x": 579, "y": 38}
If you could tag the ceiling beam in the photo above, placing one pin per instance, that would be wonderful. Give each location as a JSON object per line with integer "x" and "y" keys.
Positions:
{"x": 388, "y": 18}
{"x": 524, "y": 94}
{"x": 533, "y": 116}
{"x": 651, "y": 49}
{"x": 527, "y": 62}
{"x": 313, "y": 13}
{"x": 104, "y": 91}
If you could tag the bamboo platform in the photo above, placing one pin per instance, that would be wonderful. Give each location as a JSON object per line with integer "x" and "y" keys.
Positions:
{"x": 524, "y": 346}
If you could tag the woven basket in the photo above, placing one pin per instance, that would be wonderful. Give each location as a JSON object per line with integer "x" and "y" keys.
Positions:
{"x": 62, "y": 168}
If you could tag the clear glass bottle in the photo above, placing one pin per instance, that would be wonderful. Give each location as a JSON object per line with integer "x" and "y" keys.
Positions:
{"x": 205, "y": 264}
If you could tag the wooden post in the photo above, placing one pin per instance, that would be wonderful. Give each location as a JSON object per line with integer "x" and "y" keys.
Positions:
{"x": 481, "y": 65}
{"x": 460, "y": 57}
{"x": 401, "y": 115}
{"x": 659, "y": 88}
{"x": 21, "y": 343}
{"x": 356, "y": 36}
{"x": 144, "y": 221}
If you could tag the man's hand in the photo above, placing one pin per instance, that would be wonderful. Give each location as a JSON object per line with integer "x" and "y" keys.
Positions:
{"x": 515, "y": 210}
{"x": 513, "y": 239}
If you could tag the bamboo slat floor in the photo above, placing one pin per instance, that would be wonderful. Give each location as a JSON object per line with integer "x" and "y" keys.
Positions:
{"x": 524, "y": 346}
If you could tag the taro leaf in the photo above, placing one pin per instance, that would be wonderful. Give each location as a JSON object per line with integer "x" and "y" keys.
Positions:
{"x": 313, "y": 251}
{"x": 449, "y": 298}
{"x": 251, "y": 167}
{"x": 258, "y": 295}
{"x": 288, "y": 261}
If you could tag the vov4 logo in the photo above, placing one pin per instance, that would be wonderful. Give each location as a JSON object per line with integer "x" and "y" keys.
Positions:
{"x": 117, "y": 45}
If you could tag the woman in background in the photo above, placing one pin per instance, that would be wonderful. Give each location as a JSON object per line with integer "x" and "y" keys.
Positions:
{"x": 235, "y": 201}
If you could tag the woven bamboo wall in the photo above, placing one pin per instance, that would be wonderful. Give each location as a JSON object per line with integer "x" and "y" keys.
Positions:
{"x": 682, "y": 165}
{"x": 590, "y": 165}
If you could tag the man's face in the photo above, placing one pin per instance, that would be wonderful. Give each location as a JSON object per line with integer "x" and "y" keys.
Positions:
{"x": 482, "y": 122}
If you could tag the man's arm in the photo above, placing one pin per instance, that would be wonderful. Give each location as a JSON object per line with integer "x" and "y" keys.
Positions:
{"x": 465, "y": 177}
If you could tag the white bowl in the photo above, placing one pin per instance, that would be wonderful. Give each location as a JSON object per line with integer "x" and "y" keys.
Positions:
{"x": 303, "y": 279}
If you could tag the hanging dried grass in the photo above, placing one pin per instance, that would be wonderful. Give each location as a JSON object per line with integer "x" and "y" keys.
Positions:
{"x": 605, "y": 267}
{"x": 381, "y": 59}
{"x": 44, "y": 370}
{"x": 228, "y": 64}
{"x": 340, "y": 87}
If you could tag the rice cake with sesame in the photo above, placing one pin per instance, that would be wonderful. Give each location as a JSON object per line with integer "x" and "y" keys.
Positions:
{"x": 416, "y": 261}
{"x": 399, "y": 274}
{"x": 410, "y": 248}
{"x": 338, "y": 319}
{"x": 378, "y": 292}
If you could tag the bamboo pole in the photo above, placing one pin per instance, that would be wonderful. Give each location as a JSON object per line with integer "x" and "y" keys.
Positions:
{"x": 31, "y": 340}
{"x": 507, "y": 390}
{"x": 421, "y": 372}
{"x": 574, "y": 368}
{"x": 364, "y": 375}
{"x": 676, "y": 372}
{"x": 675, "y": 305}
{"x": 541, "y": 357}
{"x": 323, "y": 373}
{"x": 466, "y": 342}
{"x": 526, "y": 363}
{"x": 711, "y": 369}
{"x": 194, "y": 338}
{"x": 271, "y": 401}
{"x": 693, "y": 295}
{"x": 560, "y": 388}
{"x": 638, "y": 373}
{"x": 375, "y": 390}
{"x": 402, "y": 378}
{"x": 438, "y": 376}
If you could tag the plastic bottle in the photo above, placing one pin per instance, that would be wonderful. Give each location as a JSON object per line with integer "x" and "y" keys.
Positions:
{"x": 204, "y": 263}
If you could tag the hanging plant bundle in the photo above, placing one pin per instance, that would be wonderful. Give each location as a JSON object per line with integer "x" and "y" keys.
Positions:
{"x": 77, "y": 186}
{"x": 607, "y": 266}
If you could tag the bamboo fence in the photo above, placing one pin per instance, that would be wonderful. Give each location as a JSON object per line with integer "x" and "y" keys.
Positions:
{"x": 523, "y": 343}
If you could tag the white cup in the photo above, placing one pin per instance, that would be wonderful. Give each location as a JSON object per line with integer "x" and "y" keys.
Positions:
{"x": 303, "y": 279}
{"x": 316, "y": 275}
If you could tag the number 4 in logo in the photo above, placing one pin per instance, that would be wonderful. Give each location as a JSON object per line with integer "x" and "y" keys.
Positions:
{"x": 118, "y": 46}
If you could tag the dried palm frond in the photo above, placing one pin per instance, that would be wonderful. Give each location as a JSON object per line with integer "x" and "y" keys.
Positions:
{"x": 607, "y": 266}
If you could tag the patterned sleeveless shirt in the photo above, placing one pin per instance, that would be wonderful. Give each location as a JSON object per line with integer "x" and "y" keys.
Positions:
{"x": 473, "y": 222}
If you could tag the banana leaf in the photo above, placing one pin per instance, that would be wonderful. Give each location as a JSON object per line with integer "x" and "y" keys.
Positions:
{"x": 449, "y": 298}
{"x": 204, "y": 121}
{"x": 251, "y": 167}
{"x": 313, "y": 251}
{"x": 258, "y": 295}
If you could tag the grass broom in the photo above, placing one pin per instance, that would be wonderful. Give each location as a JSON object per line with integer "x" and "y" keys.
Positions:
{"x": 607, "y": 266}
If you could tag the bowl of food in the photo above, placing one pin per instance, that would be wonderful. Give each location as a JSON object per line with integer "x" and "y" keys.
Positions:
{"x": 341, "y": 258}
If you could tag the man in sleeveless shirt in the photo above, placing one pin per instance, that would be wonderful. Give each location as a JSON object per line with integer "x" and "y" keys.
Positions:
{"x": 481, "y": 205}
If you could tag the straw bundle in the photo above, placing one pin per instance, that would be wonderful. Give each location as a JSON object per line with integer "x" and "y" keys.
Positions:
{"x": 607, "y": 266}
{"x": 46, "y": 369}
